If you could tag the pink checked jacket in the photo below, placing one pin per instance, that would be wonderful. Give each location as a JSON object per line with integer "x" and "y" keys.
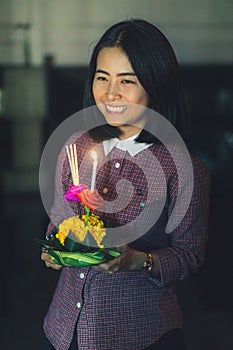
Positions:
{"x": 129, "y": 309}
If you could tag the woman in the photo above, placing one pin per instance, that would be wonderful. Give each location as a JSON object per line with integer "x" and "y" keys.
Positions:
{"x": 130, "y": 302}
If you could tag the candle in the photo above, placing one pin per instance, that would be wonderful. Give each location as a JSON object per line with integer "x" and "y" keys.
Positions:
{"x": 94, "y": 169}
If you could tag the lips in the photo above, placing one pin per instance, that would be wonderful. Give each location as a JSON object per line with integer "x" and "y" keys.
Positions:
{"x": 115, "y": 109}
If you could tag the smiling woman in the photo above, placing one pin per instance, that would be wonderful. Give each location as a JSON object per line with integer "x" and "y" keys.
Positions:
{"x": 129, "y": 302}
{"x": 115, "y": 86}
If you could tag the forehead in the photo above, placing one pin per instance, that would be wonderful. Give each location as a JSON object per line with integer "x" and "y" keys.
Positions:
{"x": 113, "y": 58}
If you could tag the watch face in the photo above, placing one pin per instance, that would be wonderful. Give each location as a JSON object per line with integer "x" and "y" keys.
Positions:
{"x": 148, "y": 262}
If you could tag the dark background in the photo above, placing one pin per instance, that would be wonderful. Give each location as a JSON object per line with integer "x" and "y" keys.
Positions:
{"x": 206, "y": 298}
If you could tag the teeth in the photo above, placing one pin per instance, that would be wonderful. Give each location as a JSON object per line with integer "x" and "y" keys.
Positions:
{"x": 118, "y": 109}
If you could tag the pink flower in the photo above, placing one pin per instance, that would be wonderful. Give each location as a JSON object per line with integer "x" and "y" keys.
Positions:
{"x": 81, "y": 193}
{"x": 73, "y": 191}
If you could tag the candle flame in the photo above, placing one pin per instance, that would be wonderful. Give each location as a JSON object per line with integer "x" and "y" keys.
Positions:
{"x": 94, "y": 155}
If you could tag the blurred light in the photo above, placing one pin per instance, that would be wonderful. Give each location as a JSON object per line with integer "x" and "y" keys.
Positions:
{"x": 228, "y": 136}
{"x": 1, "y": 103}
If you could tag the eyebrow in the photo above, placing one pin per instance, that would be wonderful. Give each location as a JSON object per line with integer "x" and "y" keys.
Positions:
{"x": 118, "y": 75}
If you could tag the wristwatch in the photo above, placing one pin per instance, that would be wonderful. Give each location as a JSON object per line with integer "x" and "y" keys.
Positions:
{"x": 148, "y": 262}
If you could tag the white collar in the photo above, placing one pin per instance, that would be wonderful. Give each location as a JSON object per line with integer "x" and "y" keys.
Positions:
{"x": 125, "y": 145}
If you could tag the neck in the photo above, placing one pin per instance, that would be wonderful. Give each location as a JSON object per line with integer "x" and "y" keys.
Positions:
{"x": 128, "y": 131}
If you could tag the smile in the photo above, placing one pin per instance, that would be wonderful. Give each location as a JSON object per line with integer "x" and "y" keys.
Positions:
{"x": 116, "y": 109}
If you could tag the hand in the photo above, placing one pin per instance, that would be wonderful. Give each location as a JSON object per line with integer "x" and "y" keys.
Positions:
{"x": 49, "y": 261}
{"x": 130, "y": 259}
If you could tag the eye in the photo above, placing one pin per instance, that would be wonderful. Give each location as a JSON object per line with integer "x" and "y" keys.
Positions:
{"x": 101, "y": 78}
{"x": 127, "y": 82}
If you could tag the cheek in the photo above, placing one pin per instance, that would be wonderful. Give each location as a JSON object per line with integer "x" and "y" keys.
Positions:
{"x": 140, "y": 98}
{"x": 97, "y": 92}
{"x": 93, "y": 90}
{"x": 145, "y": 98}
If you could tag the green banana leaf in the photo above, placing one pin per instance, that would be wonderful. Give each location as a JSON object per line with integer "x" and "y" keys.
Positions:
{"x": 80, "y": 259}
{"x": 74, "y": 253}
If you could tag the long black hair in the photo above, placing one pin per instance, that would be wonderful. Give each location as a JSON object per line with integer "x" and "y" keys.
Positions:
{"x": 155, "y": 65}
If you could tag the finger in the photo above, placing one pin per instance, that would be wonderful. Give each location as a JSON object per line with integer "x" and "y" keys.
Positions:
{"x": 53, "y": 266}
{"x": 46, "y": 257}
{"x": 103, "y": 271}
{"x": 45, "y": 249}
{"x": 49, "y": 261}
{"x": 109, "y": 267}
{"x": 122, "y": 248}
{"x": 100, "y": 267}
{"x": 103, "y": 267}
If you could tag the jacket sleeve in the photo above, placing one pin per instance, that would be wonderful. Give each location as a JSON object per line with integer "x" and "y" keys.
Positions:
{"x": 186, "y": 251}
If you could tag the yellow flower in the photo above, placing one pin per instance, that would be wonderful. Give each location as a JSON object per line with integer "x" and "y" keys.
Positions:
{"x": 61, "y": 237}
{"x": 79, "y": 229}
{"x": 97, "y": 233}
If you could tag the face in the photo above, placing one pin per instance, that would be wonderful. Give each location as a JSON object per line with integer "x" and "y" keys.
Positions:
{"x": 118, "y": 92}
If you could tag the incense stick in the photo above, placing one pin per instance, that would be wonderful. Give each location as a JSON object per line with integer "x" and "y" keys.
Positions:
{"x": 73, "y": 162}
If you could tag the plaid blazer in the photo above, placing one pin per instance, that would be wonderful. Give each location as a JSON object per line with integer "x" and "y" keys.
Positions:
{"x": 128, "y": 309}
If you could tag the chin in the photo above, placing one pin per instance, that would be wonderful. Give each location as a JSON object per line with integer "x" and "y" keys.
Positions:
{"x": 114, "y": 123}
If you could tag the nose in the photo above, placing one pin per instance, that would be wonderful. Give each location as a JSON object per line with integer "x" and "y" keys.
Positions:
{"x": 113, "y": 91}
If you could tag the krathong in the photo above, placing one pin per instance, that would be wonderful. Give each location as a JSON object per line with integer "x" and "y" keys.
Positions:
{"x": 69, "y": 243}
{"x": 79, "y": 228}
